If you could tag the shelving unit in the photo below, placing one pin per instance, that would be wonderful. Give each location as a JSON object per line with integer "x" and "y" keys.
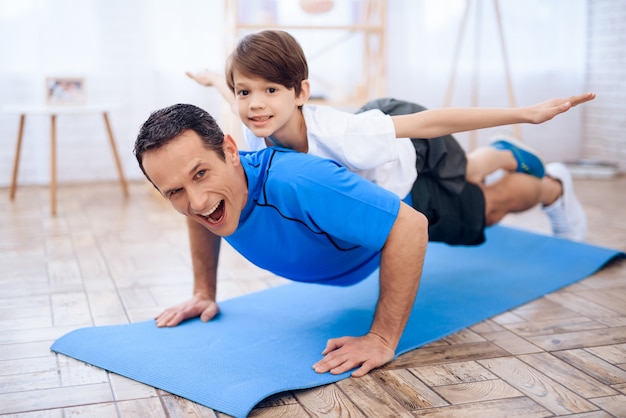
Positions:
{"x": 357, "y": 26}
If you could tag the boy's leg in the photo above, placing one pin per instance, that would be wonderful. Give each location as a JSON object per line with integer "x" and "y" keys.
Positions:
{"x": 518, "y": 192}
{"x": 484, "y": 161}
{"x": 504, "y": 153}
{"x": 514, "y": 192}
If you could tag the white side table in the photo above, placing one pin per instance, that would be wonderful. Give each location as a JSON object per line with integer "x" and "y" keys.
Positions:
{"x": 53, "y": 111}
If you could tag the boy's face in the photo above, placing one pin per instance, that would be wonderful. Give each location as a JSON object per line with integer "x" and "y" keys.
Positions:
{"x": 198, "y": 183}
{"x": 267, "y": 108}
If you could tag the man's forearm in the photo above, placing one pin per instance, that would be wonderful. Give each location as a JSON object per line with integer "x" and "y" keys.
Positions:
{"x": 402, "y": 261}
{"x": 205, "y": 248}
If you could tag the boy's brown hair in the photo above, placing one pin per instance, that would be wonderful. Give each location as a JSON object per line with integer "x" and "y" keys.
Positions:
{"x": 273, "y": 55}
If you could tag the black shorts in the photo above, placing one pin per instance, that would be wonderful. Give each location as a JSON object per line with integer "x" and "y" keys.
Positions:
{"x": 455, "y": 209}
{"x": 453, "y": 218}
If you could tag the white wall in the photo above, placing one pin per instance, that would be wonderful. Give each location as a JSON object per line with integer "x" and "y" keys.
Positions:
{"x": 131, "y": 53}
{"x": 546, "y": 47}
{"x": 605, "y": 118}
{"x": 134, "y": 53}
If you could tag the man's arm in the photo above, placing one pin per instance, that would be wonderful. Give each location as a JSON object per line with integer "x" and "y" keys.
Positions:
{"x": 205, "y": 248}
{"x": 402, "y": 260}
{"x": 438, "y": 122}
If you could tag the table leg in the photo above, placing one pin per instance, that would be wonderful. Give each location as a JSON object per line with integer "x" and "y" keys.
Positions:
{"x": 53, "y": 165}
{"x": 116, "y": 156}
{"x": 16, "y": 161}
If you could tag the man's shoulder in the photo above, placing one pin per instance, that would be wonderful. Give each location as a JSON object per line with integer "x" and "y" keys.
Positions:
{"x": 280, "y": 169}
{"x": 276, "y": 155}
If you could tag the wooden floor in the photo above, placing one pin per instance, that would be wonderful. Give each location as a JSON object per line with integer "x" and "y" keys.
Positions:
{"x": 104, "y": 260}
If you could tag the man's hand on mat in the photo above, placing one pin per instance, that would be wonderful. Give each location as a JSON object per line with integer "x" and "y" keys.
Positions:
{"x": 343, "y": 354}
{"x": 206, "y": 309}
{"x": 547, "y": 110}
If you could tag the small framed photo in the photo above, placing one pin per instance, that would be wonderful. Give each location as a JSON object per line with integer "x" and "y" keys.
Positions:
{"x": 65, "y": 91}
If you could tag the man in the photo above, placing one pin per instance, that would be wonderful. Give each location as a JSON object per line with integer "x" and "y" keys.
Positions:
{"x": 299, "y": 216}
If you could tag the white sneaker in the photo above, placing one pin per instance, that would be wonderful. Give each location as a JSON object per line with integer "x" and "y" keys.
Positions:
{"x": 566, "y": 214}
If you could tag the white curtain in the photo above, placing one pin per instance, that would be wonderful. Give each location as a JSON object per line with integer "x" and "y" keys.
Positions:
{"x": 133, "y": 54}
{"x": 545, "y": 42}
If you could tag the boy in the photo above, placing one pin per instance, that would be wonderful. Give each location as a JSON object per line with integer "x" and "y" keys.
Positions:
{"x": 268, "y": 75}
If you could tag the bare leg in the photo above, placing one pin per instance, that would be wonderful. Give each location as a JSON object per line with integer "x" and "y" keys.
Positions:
{"x": 515, "y": 192}
{"x": 485, "y": 160}
{"x": 505, "y": 153}
{"x": 551, "y": 190}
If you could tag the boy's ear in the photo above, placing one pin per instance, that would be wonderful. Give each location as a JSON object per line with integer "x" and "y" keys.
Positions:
{"x": 305, "y": 92}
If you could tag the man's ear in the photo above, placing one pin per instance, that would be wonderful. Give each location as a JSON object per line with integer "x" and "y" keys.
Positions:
{"x": 231, "y": 151}
{"x": 305, "y": 92}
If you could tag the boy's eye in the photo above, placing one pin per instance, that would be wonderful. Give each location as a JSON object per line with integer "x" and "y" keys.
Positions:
{"x": 242, "y": 92}
{"x": 271, "y": 89}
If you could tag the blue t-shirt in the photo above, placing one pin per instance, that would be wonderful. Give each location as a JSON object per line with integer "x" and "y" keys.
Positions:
{"x": 309, "y": 219}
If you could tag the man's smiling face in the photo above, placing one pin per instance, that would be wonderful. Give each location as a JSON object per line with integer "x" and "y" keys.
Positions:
{"x": 198, "y": 183}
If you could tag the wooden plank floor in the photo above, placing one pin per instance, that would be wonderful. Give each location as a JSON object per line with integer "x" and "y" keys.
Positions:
{"x": 104, "y": 260}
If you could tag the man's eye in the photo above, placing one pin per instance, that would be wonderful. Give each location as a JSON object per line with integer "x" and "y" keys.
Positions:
{"x": 171, "y": 193}
{"x": 200, "y": 174}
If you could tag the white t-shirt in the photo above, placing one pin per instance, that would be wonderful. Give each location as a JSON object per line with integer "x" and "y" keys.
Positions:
{"x": 365, "y": 143}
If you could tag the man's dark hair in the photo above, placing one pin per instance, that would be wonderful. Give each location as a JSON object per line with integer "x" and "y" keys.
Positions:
{"x": 166, "y": 124}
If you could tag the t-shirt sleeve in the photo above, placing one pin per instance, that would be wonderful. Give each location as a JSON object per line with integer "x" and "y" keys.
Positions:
{"x": 360, "y": 141}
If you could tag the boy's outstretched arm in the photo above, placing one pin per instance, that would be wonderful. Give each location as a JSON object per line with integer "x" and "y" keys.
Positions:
{"x": 217, "y": 80}
{"x": 438, "y": 122}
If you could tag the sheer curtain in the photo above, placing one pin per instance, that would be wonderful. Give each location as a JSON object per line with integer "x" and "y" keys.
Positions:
{"x": 546, "y": 47}
{"x": 133, "y": 54}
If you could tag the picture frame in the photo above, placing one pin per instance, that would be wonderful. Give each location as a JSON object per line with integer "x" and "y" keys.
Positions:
{"x": 65, "y": 91}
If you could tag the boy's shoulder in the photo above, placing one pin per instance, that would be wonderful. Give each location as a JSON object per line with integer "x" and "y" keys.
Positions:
{"x": 326, "y": 119}
{"x": 315, "y": 109}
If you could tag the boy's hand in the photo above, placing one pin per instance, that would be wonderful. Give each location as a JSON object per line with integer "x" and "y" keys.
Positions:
{"x": 205, "y": 77}
{"x": 547, "y": 110}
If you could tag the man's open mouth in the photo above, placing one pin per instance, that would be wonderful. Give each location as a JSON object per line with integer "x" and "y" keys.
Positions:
{"x": 215, "y": 214}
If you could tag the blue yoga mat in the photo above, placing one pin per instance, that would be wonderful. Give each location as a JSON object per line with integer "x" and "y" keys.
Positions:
{"x": 266, "y": 342}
